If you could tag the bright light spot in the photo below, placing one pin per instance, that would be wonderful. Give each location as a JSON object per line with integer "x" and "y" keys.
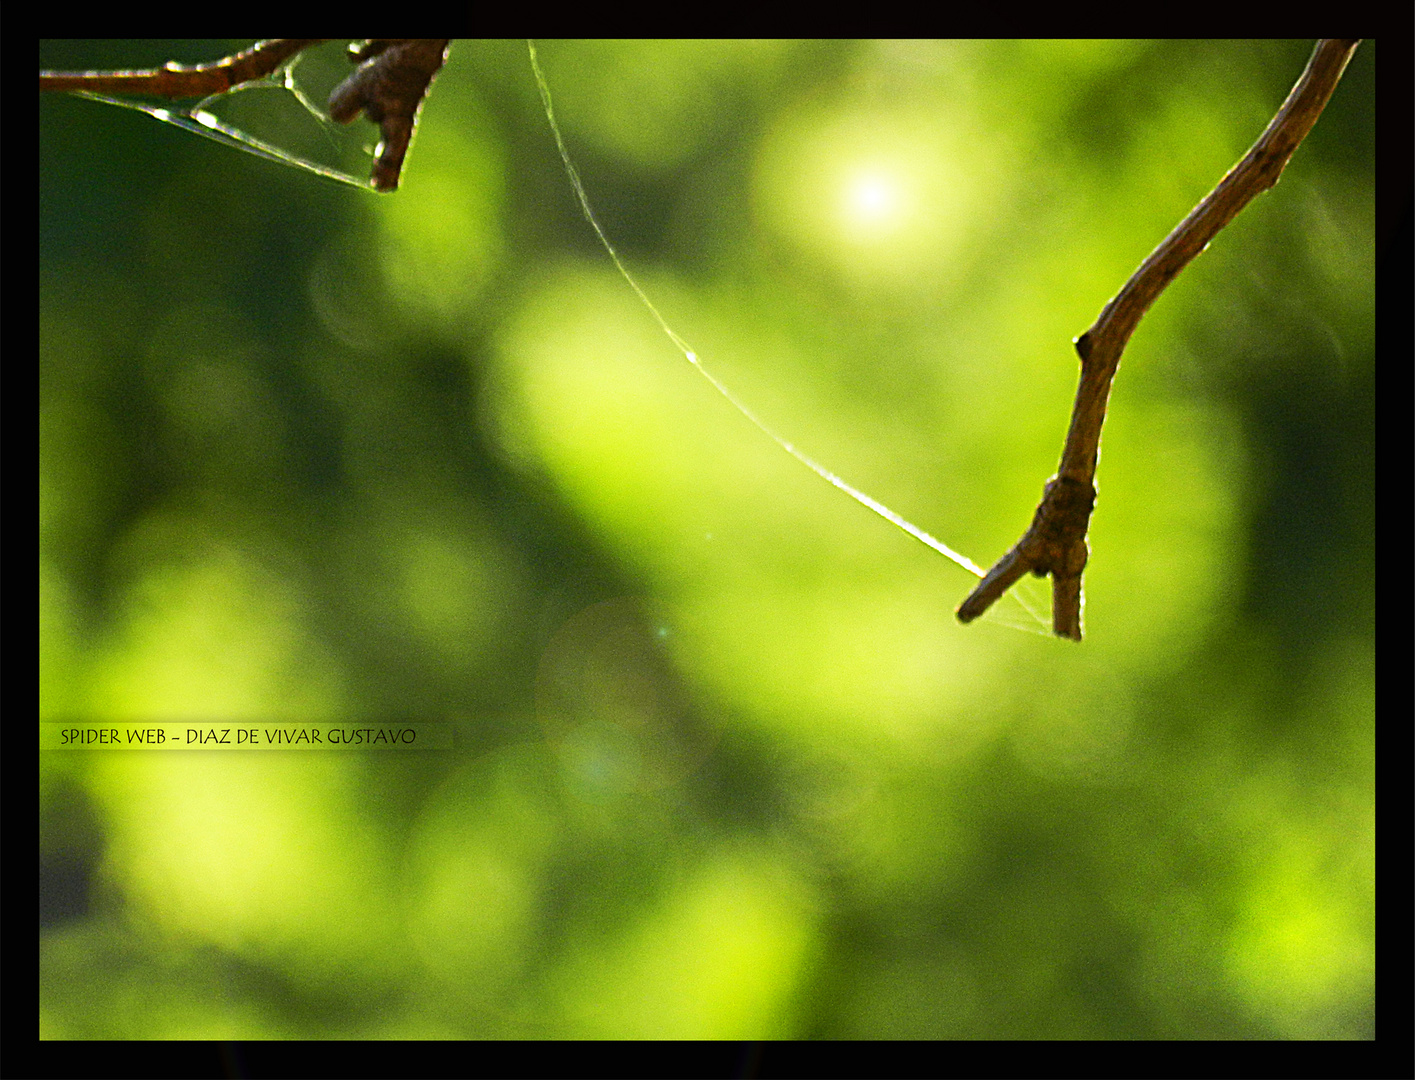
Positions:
{"x": 872, "y": 199}
{"x": 886, "y": 194}
{"x": 205, "y": 119}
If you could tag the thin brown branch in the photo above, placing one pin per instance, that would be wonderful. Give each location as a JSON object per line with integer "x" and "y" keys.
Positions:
{"x": 179, "y": 81}
{"x": 1055, "y": 543}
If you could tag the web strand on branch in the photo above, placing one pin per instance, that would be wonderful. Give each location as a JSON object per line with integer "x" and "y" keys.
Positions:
{"x": 258, "y": 108}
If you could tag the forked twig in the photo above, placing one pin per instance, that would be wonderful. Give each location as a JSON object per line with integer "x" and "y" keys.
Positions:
{"x": 388, "y": 86}
{"x": 1055, "y": 542}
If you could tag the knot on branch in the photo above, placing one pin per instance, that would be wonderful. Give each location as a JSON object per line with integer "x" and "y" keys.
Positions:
{"x": 1056, "y": 542}
{"x": 388, "y": 87}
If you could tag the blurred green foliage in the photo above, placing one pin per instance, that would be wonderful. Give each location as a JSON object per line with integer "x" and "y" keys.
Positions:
{"x": 727, "y": 765}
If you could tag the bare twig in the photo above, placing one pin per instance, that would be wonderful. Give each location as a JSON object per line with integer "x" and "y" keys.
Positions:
{"x": 1055, "y": 543}
{"x": 388, "y": 86}
{"x": 179, "y": 81}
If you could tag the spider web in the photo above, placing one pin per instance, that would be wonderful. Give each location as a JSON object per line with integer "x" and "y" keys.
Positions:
{"x": 276, "y": 117}
{"x": 1019, "y": 607}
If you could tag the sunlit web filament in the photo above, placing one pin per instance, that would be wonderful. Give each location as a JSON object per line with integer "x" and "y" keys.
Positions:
{"x": 201, "y": 120}
{"x": 1036, "y": 622}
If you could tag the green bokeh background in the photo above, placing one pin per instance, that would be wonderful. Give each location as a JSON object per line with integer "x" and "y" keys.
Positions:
{"x": 727, "y": 765}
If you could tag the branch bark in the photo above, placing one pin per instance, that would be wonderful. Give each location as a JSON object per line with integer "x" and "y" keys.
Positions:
{"x": 388, "y": 86}
{"x": 1055, "y": 542}
{"x": 179, "y": 81}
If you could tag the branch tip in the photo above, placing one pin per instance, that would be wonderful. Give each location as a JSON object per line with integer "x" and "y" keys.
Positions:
{"x": 1055, "y": 542}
